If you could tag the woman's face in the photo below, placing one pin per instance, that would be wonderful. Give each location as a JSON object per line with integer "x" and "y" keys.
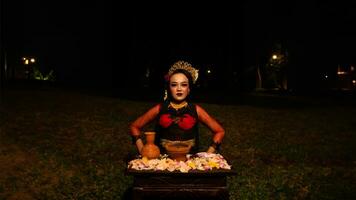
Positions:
{"x": 179, "y": 87}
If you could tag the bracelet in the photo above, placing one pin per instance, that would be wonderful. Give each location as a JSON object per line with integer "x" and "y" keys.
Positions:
{"x": 134, "y": 138}
{"x": 215, "y": 145}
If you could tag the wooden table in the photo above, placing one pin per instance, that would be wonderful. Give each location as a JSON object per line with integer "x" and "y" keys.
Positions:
{"x": 195, "y": 184}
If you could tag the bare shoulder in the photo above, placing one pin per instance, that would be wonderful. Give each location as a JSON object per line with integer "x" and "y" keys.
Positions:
{"x": 155, "y": 108}
{"x": 200, "y": 110}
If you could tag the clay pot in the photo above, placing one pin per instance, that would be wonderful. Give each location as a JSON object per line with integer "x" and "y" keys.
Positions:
{"x": 178, "y": 151}
{"x": 150, "y": 150}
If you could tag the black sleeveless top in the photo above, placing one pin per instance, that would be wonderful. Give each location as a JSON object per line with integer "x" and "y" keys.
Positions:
{"x": 177, "y": 125}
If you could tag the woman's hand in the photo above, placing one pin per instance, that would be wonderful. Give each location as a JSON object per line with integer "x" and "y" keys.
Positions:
{"x": 139, "y": 145}
{"x": 211, "y": 150}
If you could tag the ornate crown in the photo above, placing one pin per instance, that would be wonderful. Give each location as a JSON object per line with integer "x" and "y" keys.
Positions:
{"x": 185, "y": 66}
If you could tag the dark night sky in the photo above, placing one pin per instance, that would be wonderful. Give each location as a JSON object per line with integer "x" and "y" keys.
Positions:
{"x": 78, "y": 40}
{"x": 73, "y": 38}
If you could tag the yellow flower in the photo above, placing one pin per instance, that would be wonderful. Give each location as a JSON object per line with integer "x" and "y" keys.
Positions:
{"x": 191, "y": 165}
{"x": 145, "y": 160}
{"x": 213, "y": 164}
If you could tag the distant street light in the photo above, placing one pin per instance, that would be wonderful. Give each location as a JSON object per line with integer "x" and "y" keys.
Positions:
{"x": 274, "y": 57}
{"x": 28, "y": 68}
{"x": 28, "y": 60}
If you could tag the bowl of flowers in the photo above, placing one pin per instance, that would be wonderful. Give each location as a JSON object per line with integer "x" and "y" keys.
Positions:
{"x": 178, "y": 151}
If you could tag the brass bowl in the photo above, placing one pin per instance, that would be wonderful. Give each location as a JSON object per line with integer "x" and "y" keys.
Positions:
{"x": 178, "y": 151}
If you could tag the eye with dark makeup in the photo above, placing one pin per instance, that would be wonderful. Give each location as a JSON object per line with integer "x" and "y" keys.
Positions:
{"x": 184, "y": 84}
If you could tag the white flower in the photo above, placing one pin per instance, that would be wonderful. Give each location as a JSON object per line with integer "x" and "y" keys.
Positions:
{"x": 202, "y": 161}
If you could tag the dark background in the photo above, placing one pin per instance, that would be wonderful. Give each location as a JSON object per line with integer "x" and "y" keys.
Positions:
{"x": 102, "y": 44}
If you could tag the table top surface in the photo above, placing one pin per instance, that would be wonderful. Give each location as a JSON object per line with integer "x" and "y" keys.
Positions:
{"x": 213, "y": 172}
{"x": 191, "y": 172}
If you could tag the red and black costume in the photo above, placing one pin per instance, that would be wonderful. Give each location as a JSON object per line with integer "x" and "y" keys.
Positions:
{"x": 178, "y": 125}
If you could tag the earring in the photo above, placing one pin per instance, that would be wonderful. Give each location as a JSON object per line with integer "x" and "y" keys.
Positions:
{"x": 165, "y": 95}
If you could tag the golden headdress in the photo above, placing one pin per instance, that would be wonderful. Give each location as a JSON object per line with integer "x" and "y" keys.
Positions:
{"x": 185, "y": 66}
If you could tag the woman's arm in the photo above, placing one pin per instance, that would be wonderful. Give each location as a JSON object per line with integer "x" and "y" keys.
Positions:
{"x": 214, "y": 126}
{"x": 136, "y": 126}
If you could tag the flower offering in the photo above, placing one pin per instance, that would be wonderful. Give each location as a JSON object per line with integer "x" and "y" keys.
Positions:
{"x": 200, "y": 161}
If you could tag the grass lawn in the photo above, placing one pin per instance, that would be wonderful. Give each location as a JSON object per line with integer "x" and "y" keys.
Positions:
{"x": 57, "y": 144}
